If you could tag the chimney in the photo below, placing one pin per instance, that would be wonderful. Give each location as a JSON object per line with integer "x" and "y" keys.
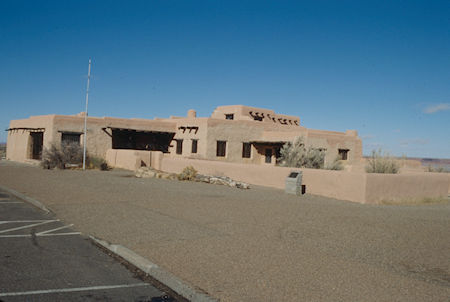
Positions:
{"x": 191, "y": 113}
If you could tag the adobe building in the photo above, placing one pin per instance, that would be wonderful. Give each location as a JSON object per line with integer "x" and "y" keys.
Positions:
{"x": 237, "y": 133}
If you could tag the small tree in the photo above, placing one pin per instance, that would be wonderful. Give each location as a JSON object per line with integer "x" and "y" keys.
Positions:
{"x": 382, "y": 163}
{"x": 296, "y": 155}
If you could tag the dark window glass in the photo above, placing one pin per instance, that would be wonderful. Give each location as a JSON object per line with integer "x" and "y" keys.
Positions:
{"x": 343, "y": 154}
{"x": 229, "y": 116}
{"x": 194, "y": 146}
{"x": 179, "y": 146}
{"x": 221, "y": 148}
{"x": 246, "y": 150}
{"x": 70, "y": 138}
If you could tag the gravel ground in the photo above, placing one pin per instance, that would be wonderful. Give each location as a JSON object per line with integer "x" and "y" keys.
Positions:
{"x": 258, "y": 244}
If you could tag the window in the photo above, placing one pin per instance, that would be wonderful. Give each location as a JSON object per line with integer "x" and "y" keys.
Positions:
{"x": 246, "y": 150}
{"x": 343, "y": 154}
{"x": 194, "y": 146}
{"x": 268, "y": 156}
{"x": 221, "y": 148}
{"x": 179, "y": 146}
{"x": 229, "y": 116}
{"x": 70, "y": 138}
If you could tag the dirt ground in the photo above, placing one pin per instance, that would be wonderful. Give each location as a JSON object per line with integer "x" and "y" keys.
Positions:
{"x": 258, "y": 244}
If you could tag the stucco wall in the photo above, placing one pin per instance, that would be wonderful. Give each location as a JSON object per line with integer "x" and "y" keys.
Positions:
{"x": 352, "y": 186}
{"x": 133, "y": 159}
{"x": 335, "y": 184}
{"x": 18, "y": 146}
{"x": 387, "y": 187}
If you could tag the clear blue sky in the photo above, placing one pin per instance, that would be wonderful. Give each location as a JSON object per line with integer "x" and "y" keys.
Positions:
{"x": 380, "y": 67}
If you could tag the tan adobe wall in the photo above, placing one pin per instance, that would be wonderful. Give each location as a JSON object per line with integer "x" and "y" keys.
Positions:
{"x": 133, "y": 159}
{"x": 237, "y": 132}
{"x": 18, "y": 146}
{"x": 189, "y": 129}
{"x": 394, "y": 187}
{"x": 98, "y": 138}
{"x": 206, "y": 131}
{"x": 357, "y": 187}
{"x": 333, "y": 141}
{"x": 241, "y": 112}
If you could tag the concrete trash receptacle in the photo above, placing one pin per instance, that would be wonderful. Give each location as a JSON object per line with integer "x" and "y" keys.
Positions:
{"x": 294, "y": 183}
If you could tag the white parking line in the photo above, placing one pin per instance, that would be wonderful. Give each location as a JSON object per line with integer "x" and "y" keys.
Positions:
{"x": 27, "y": 226}
{"x": 57, "y": 229}
{"x": 68, "y": 290}
{"x": 46, "y": 233}
{"x": 43, "y": 235}
{"x": 20, "y": 221}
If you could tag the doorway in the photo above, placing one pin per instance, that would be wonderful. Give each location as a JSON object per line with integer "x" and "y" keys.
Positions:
{"x": 268, "y": 156}
{"x": 37, "y": 143}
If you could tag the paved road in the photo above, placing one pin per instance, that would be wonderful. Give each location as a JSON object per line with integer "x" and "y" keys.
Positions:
{"x": 42, "y": 259}
{"x": 258, "y": 244}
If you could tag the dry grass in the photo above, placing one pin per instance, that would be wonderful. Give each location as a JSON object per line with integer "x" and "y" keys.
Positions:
{"x": 417, "y": 201}
{"x": 2, "y": 151}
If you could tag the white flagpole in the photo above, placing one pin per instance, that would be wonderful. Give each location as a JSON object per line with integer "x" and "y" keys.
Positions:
{"x": 85, "y": 116}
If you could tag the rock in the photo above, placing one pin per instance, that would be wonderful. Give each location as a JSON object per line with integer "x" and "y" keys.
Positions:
{"x": 221, "y": 180}
{"x": 145, "y": 172}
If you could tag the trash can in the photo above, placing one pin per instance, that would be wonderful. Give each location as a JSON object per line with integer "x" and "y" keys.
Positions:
{"x": 294, "y": 183}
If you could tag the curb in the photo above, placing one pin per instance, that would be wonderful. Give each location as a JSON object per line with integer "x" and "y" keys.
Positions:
{"x": 166, "y": 278}
{"x": 34, "y": 202}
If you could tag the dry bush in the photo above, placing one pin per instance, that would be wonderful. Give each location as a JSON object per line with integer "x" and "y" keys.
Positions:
{"x": 60, "y": 156}
{"x": 188, "y": 173}
{"x": 417, "y": 201}
{"x": 69, "y": 154}
{"x": 382, "y": 163}
{"x": 436, "y": 169}
{"x": 95, "y": 162}
{"x": 2, "y": 151}
{"x": 335, "y": 165}
{"x": 296, "y": 155}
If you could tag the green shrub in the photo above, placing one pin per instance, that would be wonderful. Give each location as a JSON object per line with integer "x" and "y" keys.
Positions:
{"x": 188, "y": 173}
{"x": 296, "y": 155}
{"x": 382, "y": 163}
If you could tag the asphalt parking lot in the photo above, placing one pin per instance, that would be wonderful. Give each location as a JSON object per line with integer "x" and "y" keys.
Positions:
{"x": 42, "y": 259}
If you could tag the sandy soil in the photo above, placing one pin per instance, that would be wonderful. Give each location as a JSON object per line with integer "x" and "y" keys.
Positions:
{"x": 258, "y": 244}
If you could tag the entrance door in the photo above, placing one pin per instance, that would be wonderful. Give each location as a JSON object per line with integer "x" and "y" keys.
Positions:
{"x": 37, "y": 142}
{"x": 268, "y": 156}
